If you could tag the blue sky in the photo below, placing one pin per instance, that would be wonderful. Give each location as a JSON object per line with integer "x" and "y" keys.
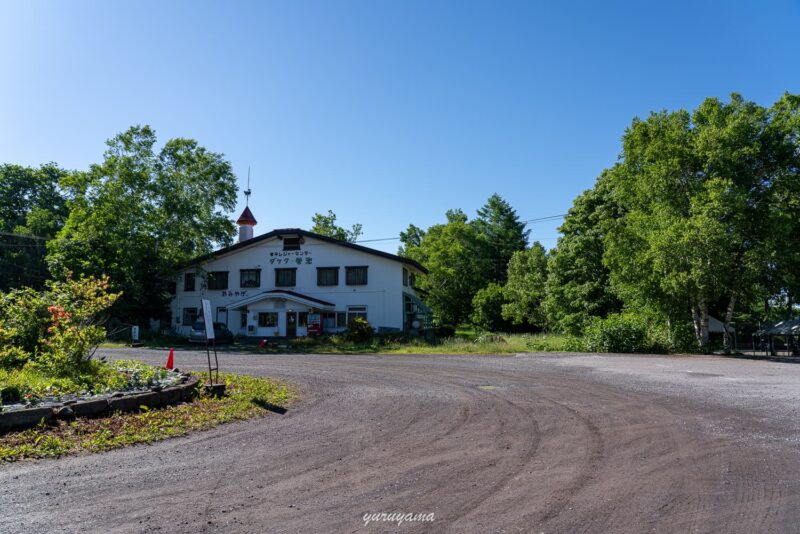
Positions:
{"x": 386, "y": 112}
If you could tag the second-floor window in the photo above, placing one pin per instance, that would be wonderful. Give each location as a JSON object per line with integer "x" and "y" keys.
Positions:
{"x": 218, "y": 280}
{"x": 188, "y": 281}
{"x": 327, "y": 276}
{"x": 285, "y": 277}
{"x": 250, "y": 278}
{"x": 356, "y": 276}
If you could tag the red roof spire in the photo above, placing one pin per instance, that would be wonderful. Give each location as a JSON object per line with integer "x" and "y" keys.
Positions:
{"x": 246, "y": 218}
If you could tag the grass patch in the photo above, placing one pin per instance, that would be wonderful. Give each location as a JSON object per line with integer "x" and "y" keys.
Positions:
{"x": 470, "y": 343}
{"x": 246, "y": 397}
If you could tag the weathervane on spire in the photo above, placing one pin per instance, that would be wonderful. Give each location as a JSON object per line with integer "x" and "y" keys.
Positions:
{"x": 247, "y": 191}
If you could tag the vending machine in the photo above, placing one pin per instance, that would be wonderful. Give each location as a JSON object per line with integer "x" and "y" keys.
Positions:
{"x": 314, "y": 324}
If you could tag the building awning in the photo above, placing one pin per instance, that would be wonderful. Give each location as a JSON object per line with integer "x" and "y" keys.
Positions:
{"x": 286, "y": 295}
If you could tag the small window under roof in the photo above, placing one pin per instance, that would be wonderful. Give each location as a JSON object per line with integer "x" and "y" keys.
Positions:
{"x": 291, "y": 243}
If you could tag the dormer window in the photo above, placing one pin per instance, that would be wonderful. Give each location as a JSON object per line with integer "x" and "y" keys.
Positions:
{"x": 291, "y": 243}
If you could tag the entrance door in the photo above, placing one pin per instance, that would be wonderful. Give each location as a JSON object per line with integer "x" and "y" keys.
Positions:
{"x": 291, "y": 324}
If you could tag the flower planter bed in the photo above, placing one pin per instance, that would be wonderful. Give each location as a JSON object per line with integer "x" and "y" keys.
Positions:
{"x": 15, "y": 417}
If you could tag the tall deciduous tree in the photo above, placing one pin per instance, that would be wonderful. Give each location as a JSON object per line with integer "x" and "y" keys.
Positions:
{"x": 142, "y": 212}
{"x": 525, "y": 288}
{"x": 577, "y": 281}
{"x": 326, "y": 225}
{"x": 452, "y": 254}
{"x": 697, "y": 191}
{"x": 32, "y": 210}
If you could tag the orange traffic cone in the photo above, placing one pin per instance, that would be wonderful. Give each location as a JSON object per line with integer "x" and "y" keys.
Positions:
{"x": 171, "y": 359}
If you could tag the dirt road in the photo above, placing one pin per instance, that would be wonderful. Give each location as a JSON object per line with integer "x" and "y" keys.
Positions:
{"x": 531, "y": 443}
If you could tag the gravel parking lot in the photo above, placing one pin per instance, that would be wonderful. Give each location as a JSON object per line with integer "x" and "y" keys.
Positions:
{"x": 526, "y": 443}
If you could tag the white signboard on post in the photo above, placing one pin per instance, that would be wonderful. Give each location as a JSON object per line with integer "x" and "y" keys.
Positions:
{"x": 208, "y": 319}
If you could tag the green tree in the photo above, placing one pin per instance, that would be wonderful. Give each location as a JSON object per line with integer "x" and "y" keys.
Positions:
{"x": 141, "y": 213}
{"x": 457, "y": 270}
{"x": 525, "y": 289}
{"x": 500, "y": 235}
{"x": 411, "y": 238}
{"x": 487, "y": 308}
{"x": 697, "y": 192}
{"x": 326, "y": 225}
{"x": 32, "y": 210}
{"x": 577, "y": 281}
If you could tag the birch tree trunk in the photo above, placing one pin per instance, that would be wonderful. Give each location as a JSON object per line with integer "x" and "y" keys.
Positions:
{"x": 700, "y": 322}
{"x": 728, "y": 340}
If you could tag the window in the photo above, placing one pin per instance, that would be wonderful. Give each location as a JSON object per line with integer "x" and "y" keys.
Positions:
{"x": 285, "y": 277}
{"x": 189, "y": 316}
{"x": 356, "y": 311}
{"x": 302, "y": 319}
{"x": 327, "y": 276}
{"x": 266, "y": 319}
{"x": 250, "y": 278}
{"x": 405, "y": 276}
{"x": 356, "y": 276}
{"x": 412, "y": 280}
{"x": 218, "y": 280}
{"x": 328, "y": 320}
{"x": 188, "y": 282}
{"x": 243, "y": 320}
{"x": 291, "y": 243}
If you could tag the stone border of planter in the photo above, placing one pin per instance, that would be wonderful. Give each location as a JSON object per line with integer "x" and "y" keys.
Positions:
{"x": 120, "y": 402}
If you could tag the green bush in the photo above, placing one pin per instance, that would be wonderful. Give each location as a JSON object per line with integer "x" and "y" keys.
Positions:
{"x": 359, "y": 330}
{"x": 23, "y": 323}
{"x": 487, "y": 308}
{"x": 619, "y": 333}
{"x": 57, "y": 329}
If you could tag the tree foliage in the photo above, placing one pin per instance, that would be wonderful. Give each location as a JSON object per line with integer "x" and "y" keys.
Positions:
{"x": 487, "y": 308}
{"x": 577, "y": 280}
{"x": 457, "y": 269}
{"x": 500, "y": 234}
{"x": 525, "y": 288}
{"x": 142, "y": 212}
{"x": 326, "y": 225}
{"x": 698, "y": 195}
{"x": 32, "y": 209}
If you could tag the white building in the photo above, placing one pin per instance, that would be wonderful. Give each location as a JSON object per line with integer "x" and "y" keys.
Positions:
{"x": 267, "y": 286}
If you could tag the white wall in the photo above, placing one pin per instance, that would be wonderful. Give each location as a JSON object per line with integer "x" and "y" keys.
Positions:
{"x": 383, "y": 294}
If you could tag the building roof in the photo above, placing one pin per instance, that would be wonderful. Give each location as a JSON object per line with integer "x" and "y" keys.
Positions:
{"x": 303, "y": 233}
{"x": 282, "y": 294}
{"x": 246, "y": 218}
{"x": 790, "y": 327}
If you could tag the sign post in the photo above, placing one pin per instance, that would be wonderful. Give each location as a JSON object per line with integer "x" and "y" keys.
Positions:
{"x": 208, "y": 320}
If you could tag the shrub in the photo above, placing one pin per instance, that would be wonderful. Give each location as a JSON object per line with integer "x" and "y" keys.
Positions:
{"x": 57, "y": 330}
{"x": 23, "y": 323}
{"x": 619, "y": 333}
{"x": 487, "y": 308}
{"x": 359, "y": 330}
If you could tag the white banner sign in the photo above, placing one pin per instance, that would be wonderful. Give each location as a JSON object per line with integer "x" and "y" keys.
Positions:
{"x": 208, "y": 319}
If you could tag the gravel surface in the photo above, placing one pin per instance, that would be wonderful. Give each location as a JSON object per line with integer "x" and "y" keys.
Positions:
{"x": 532, "y": 443}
